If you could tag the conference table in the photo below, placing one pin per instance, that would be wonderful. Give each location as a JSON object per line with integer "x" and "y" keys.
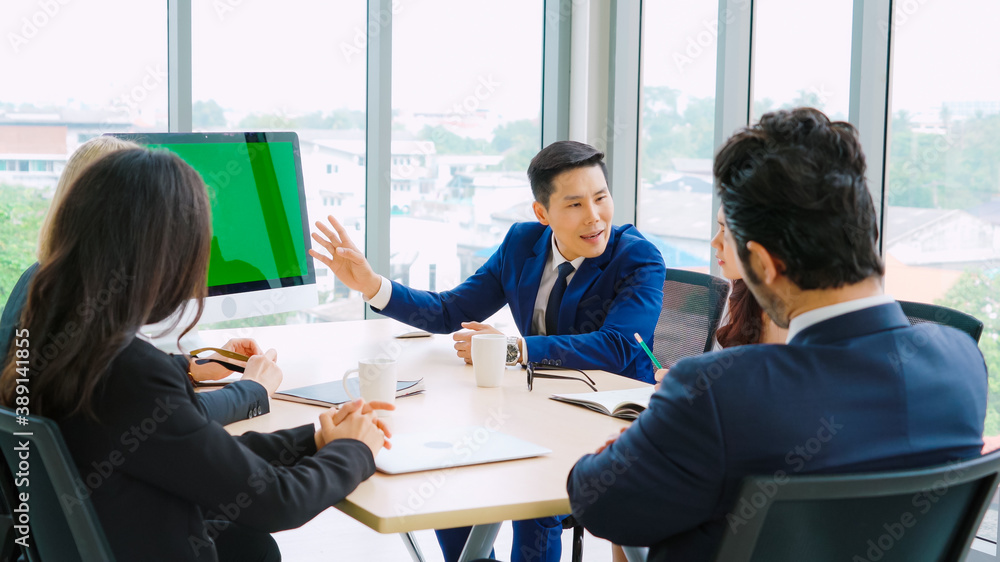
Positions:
{"x": 481, "y": 495}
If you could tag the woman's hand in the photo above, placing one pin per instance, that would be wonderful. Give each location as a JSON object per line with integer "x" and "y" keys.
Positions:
{"x": 342, "y": 423}
{"x": 658, "y": 377}
{"x": 212, "y": 371}
{"x": 610, "y": 440}
{"x": 262, "y": 370}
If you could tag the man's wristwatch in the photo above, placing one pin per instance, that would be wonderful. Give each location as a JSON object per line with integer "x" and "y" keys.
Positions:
{"x": 513, "y": 350}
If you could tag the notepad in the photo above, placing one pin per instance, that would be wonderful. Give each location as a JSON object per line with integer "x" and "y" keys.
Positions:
{"x": 625, "y": 404}
{"x": 332, "y": 393}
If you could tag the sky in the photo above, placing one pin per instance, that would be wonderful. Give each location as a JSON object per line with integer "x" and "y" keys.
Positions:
{"x": 299, "y": 56}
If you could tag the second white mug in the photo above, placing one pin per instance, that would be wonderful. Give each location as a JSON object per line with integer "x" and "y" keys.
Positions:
{"x": 376, "y": 381}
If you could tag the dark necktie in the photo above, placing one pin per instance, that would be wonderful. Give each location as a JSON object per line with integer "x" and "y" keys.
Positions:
{"x": 555, "y": 299}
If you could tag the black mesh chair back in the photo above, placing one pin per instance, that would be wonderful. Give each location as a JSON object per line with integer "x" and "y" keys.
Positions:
{"x": 900, "y": 516}
{"x": 918, "y": 313}
{"x": 62, "y": 522}
{"x": 692, "y": 308}
{"x": 7, "y": 498}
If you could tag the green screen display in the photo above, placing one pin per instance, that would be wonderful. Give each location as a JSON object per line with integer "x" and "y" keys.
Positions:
{"x": 257, "y": 232}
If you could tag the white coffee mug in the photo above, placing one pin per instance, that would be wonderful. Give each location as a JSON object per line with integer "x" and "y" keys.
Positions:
{"x": 489, "y": 359}
{"x": 376, "y": 379}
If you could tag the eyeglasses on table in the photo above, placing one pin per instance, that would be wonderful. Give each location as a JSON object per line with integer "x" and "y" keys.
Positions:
{"x": 534, "y": 368}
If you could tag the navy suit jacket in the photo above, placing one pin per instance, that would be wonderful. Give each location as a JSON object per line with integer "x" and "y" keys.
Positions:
{"x": 609, "y": 299}
{"x": 860, "y": 392}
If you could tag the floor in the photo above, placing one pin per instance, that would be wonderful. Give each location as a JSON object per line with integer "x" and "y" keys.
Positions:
{"x": 333, "y": 536}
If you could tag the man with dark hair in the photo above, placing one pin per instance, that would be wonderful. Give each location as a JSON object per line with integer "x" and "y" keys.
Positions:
{"x": 578, "y": 289}
{"x": 856, "y": 388}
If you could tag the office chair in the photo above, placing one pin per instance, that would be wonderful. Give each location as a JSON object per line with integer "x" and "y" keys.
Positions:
{"x": 692, "y": 309}
{"x": 60, "y": 530}
{"x": 918, "y": 313}
{"x": 916, "y": 514}
{"x": 7, "y": 532}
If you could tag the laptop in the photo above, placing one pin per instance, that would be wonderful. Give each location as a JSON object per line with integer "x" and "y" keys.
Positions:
{"x": 447, "y": 448}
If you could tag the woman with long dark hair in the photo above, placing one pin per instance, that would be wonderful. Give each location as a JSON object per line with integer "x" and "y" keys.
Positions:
{"x": 129, "y": 246}
{"x": 234, "y": 402}
{"x": 745, "y": 322}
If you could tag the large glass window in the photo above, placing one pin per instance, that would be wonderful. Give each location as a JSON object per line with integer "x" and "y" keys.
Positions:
{"x": 466, "y": 122}
{"x": 942, "y": 223}
{"x": 65, "y": 81}
{"x": 799, "y": 63}
{"x": 306, "y": 74}
{"x": 678, "y": 129}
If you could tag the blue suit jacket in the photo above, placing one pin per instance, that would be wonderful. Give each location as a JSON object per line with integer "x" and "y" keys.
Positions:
{"x": 609, "y": 299}
{"x": 864, "y": 391}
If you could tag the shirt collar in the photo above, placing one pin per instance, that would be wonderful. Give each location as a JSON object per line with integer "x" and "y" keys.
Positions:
{"x": 556, "y": 257}
{"x": 817, "y": 315}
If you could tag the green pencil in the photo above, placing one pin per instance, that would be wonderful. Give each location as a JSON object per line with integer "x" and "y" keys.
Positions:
{"x": 638, "y": 338}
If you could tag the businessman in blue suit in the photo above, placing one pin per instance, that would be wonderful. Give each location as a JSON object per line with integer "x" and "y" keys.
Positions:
{"x": 855, "y": 389}
{"x": 578, "y": 288}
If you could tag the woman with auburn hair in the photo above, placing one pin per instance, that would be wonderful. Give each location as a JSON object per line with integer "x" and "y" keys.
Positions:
{"x": 746, "y": 321}
{"x": 131, "y": 243}
{"x": 234, "y": 402}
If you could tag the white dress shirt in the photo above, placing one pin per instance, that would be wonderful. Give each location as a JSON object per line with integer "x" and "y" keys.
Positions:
{"x": 549, "y": 275}
{"x": 381, "y": 298}
{"x": 817, "y": 315}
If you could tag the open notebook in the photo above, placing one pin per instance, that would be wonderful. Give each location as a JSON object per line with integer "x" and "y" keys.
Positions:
{"x": 332, "y": 393}
{"x": 625, "y": 404}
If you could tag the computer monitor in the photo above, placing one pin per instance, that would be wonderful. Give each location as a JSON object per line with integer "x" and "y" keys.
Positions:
{"x": 260, "y": 228}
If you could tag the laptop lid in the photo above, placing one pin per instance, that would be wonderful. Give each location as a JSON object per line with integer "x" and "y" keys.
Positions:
{"x": 447, "y": 448}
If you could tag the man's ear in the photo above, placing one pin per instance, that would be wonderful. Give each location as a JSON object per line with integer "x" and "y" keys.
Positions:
{"x": 766, "y": 266}
{"x": 541, "y": 213}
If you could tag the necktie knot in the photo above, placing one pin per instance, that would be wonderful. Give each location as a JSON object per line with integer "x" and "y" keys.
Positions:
{"x": 565, "y": 268}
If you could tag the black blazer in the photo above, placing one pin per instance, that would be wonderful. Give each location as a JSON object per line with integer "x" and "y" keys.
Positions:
{"x": 156, "y": 468}
{"x": 234, "y": 402}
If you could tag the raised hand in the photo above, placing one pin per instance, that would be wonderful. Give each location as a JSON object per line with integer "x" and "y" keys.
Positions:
{"x": 345, "y": 260}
